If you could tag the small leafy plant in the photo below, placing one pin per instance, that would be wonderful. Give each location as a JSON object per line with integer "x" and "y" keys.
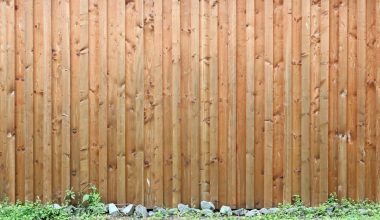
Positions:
{"x": 87, "y": 203}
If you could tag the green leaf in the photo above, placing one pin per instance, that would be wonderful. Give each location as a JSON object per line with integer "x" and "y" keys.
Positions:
{"x": 86, "y": 197}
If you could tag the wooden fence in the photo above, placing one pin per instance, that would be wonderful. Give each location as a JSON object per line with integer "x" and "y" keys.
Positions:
{"x": 241, "y": 102}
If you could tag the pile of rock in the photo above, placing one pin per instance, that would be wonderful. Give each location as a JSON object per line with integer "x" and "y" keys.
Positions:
{"x": 207, "y": 209}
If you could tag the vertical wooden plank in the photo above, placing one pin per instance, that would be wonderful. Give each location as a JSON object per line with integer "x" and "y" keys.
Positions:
{"x": 324, "y": 99}
{"x": 20, "y": 107}
{"x": 231, "y": 145}
{"x": 194, "y": 95}
{"x": 241, "y": 107}
{"x": 333, "y": 96}
{"x": 352, "y": 102}
{"x": 116, "y": 104}
{"x": 176, "y": 100}
{"x": 83, "y": 95}
{"x": 152, "y": 102}
{"x": 66, "y": 88}
{"x": 46, "y": 83}
{"x": 134, "y": 102}
{"x": 259, "y": 104}
{"x": 305, "y": 103}
{"x": 103, "y": 102}
{"x": 7, "y": 100}
{"x": 42, "y": 100}
{"x": 24, "y": 100}
{"x": 60, "y": 98}
{"x": 93, "y": 95}
{"x": 223, "y": 100}
{"x": 296, "y": 97}
{"x": 370, "y": 147}
{"x": 112, "y": 64}
{"x": 121, "y": 92}
{"x": 214, "y": 103}
{"x": 268, "y": 106}
{"x": 56, "y": 99}
{"x": 204, "y": 102}
{"x": 361, "y": 56}
{"x": 10, "y": 89}
{"x": 167, "y": 102}
{"x": 74, "y": 101}
{"x": 342, "y": 101}
{"x": 157, "y": 179}
{"x": 250, "y": 105}
{"x": 28, "y": 80}
{"x": 315, "y": 58}
{"x": 79, "y": 91}
{"x": 131, "y": 17}
{"x": 185, "y": 68}
{"x": 287, "y": 11}
{"x": 3, "y": 69}
{"x": 278, "y": 102}
{"x": 377, "y": 70}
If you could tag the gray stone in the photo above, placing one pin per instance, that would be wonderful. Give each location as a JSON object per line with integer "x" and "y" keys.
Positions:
{"x": 273, "y": 210}
{"x": 150, "y": 213}
{"x": 225, "y": 210}
{"x": 56, "y": 206}
{"x": 207, "y": 212}
{"x": 252, "y": 213}
{"x": 112, "y": 209}
{"x": 128, "y": 210}
{"x": 239, "y": 212}
{"x": 140, "y": 211}
{"x": 264, "y": 211}
{"x": 182, "y": 208}
{"x": 207, "y": 205}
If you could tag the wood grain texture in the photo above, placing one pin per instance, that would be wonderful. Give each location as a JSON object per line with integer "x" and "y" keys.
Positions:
{"x": 159, "y": 102}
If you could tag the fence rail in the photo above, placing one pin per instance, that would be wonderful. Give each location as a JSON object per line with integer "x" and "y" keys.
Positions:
{"x": 241, "y": 102}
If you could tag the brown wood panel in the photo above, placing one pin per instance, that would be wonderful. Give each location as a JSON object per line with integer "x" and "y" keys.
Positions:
{"x": 223, "y": 100}
{"x": 241, "y": 103}
{"x": 278, "y": 102}
{"x": 305, "y": 102}
{"x": 361, "y": 59}
{"x": 315, "y": 59}
{"x": 250, "y": 105}
{"x": 204, "y": 101}
{"x": 259, "y": 105}
{"x": 296, "y": 97}
{"x": 352, "y": 100}
{"x": 20, "y": 110}
{"x": 244, "y": 103}
{"x": 214, "y": 102}
{"x": 370, "y": 146}
{"x": 288, "y": 101}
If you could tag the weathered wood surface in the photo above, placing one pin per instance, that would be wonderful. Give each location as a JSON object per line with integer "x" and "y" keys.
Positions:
{"x": 240, "y": 102}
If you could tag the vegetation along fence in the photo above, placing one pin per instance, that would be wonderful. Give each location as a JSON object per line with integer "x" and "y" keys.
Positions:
{"x": 241, "y": 102}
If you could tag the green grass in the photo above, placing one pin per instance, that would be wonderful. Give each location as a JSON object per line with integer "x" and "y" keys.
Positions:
{"x": 89, "y": 206}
